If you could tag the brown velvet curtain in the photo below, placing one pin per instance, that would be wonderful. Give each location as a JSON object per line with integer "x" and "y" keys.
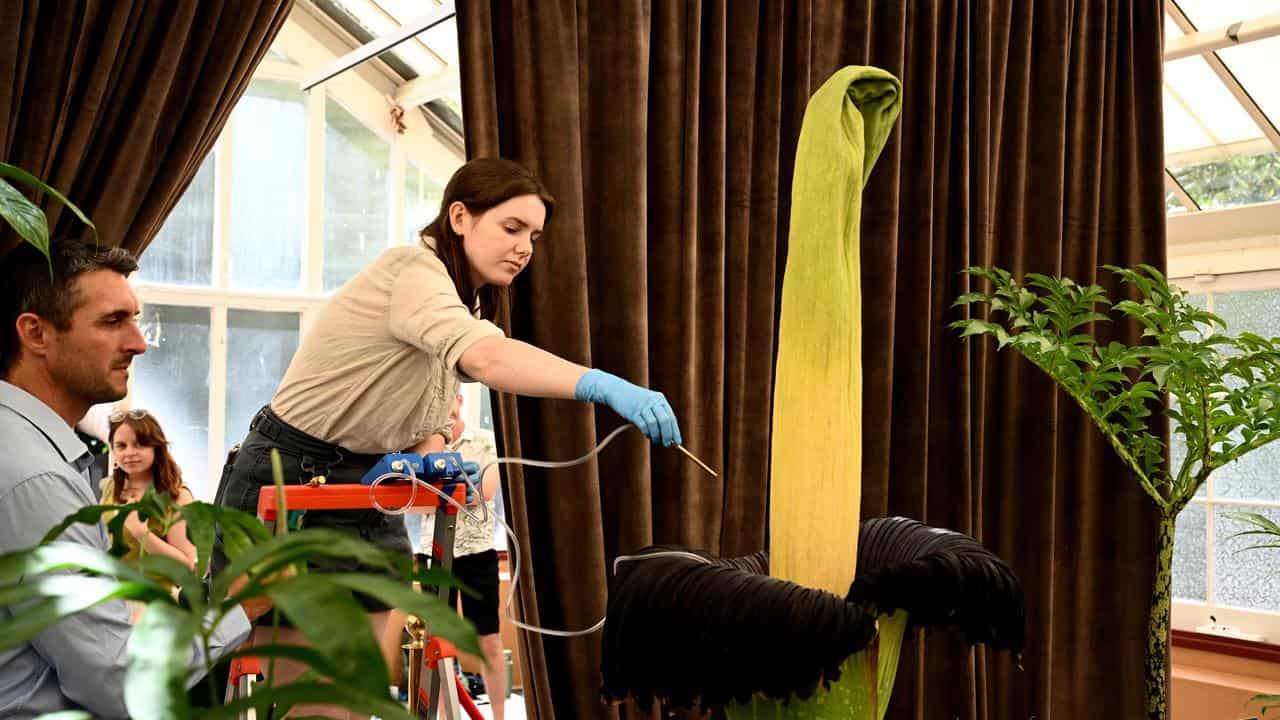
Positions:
{"x": 1029, "y": 138}
{"x": 117, "y": 102}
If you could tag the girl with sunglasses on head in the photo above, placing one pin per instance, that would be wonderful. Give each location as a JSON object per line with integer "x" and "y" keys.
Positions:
{"x": 142, "y": 460}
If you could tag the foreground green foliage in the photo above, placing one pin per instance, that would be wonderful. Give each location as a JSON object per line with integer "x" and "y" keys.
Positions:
{"x": 58, "y": 579}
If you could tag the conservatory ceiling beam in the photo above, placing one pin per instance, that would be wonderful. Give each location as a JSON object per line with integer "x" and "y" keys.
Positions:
{"x": 1225, "y": 75}
{"x": 1228, "y": 224}
{"x": 424, "y": 89}
{"x": 379, "y": 45}
{"x": 1203, "y": 41}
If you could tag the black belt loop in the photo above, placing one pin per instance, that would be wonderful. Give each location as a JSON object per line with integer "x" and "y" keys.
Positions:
{"x": 307, "y": 468}
{"x": 263, "y": 423}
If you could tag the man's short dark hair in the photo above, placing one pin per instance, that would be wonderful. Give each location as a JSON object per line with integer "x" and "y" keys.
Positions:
{"x": 25, "y": 286}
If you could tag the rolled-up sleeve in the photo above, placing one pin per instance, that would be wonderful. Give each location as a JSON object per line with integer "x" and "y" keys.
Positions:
{"x": 427, "y": 313}
{"x": 88, "y": 650}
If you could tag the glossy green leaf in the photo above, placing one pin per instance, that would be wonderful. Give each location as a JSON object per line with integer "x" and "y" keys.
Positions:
{"x": 56, "y": 556}
{"x": 313, "y": 543}
{"x": 1269, "y": 702}
{"x": 971, "y": 297}
{"x": 160, "y": 566}
{"x": 55, "y": 597}
{"x": 441, "y": 619}
{"x": 240, "y": 531}
{"x": 25, "y": 217}
{"x": 155, "y": 681}
{"x": 26, "y": 178}
{"x": 94, "y": 514}
{"x": 336, "y": 625}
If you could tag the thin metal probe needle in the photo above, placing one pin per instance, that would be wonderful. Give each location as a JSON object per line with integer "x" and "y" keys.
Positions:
{"x": 694, "y": 458}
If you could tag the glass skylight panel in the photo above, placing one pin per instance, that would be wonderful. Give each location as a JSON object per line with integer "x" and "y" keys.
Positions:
{"x": 379, "y": 20}
{"x": 1209, "y": 101}
{"x": 1181, "y": 131}
{"x": 1254, "y": 65}
{"x": 405, "y": 10}
{"x": 443, "y": 39}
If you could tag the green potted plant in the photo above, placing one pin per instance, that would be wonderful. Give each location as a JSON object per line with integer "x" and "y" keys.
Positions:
{"x": 1220, "y": 392}
{"x": 346, "y": 664}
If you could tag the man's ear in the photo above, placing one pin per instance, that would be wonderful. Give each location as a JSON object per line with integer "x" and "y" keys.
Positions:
{"x": 33, "y": 334}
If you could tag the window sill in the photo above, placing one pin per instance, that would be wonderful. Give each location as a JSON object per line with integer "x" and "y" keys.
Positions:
{"x": 1223, "y": 645}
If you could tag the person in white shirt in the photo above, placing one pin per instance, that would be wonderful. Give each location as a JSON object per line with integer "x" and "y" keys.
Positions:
{"x": 475, "y": 560}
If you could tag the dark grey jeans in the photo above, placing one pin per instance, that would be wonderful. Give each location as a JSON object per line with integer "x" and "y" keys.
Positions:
{"x": 302, "y": 456}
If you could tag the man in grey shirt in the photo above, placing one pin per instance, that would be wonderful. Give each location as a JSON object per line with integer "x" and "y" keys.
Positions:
{"x": 66, "y": 343}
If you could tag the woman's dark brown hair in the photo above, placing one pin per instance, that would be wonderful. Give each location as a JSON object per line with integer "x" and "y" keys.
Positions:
{"x": 480, "y": 185}
{"x": 166, "y": 478}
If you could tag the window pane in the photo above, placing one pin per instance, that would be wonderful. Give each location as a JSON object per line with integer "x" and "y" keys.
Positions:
{"x": 1253, "y": 476}
{"x": 1233, "y": 181}
{"x": 172, "y": 381}
{"x": 1189, "y": 554}
{"x": 356, "y": 195}
{"x": 385, "y": 17}
{"x": 259, "y": 348}
{"x": 1255, "y": 311}
{"x": 1181, "y": 131}
{"x": 182, "y": 254}
{"x": 1215, "y": 109}
{"x": 268, "y": 161}
{"x": 1244, "y": 578}
{"x": 443, "y": 40}
{"x": 486, "y": 409}
{"x": 1253, "y": 65}
{"x": 422, "y": 197}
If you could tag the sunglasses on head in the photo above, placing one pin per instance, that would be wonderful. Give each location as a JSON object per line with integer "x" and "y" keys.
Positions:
{"x": 120, "y": 415}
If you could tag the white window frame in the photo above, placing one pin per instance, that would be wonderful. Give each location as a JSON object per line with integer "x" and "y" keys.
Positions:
{"x": 1218, "y": 251}
{"x": 363, "y": 92}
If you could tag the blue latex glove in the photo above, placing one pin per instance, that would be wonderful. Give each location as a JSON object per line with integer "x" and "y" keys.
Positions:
{"x": 644, "y": 408}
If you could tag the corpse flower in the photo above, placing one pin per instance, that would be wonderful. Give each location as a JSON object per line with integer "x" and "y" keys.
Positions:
{"x": 814, "y": 629}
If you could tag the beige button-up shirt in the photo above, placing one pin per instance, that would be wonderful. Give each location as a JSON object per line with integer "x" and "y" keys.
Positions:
{"x": 377, "y": 372}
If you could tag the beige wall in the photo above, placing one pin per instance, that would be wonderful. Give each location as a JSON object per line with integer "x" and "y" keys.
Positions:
{"x": 1210, "y": 686}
